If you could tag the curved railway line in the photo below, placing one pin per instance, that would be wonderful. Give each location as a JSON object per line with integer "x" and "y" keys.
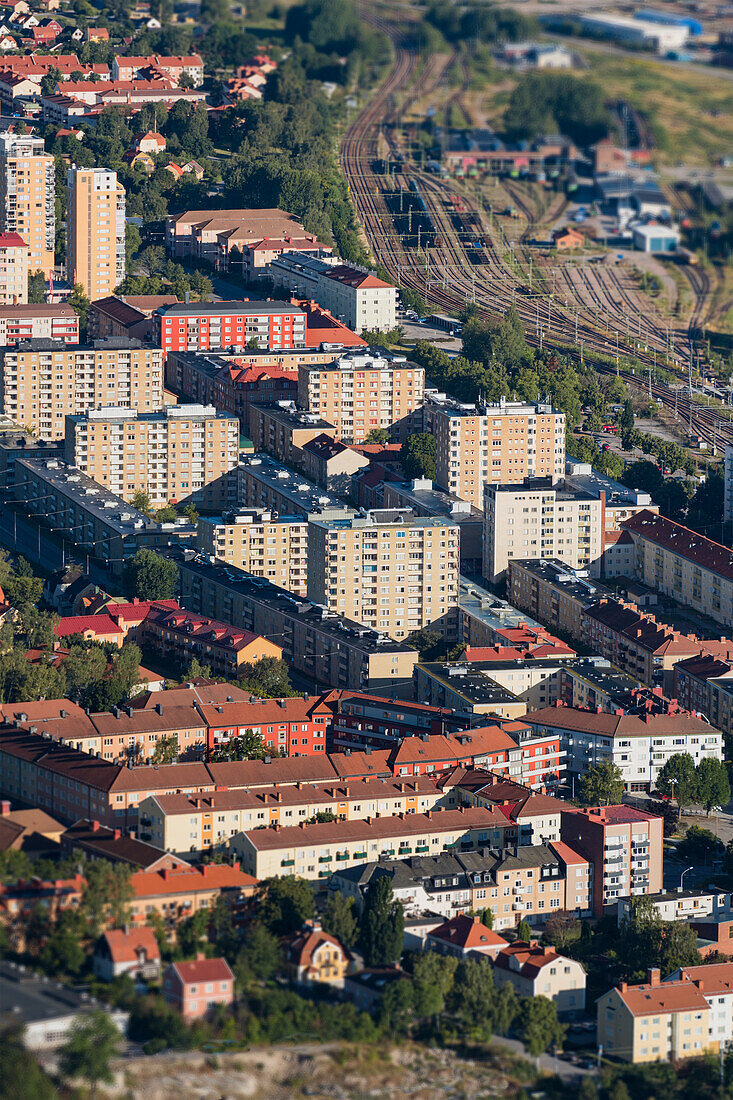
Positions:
{"x": 450, "y": 281}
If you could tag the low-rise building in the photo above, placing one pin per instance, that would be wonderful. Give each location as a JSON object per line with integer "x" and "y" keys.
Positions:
{"x": 260, "y": 542}
{"x": 213, "y": 234}
{"x": 233, "y": 384}
{"x": 683, "y": 905}
{"x": 38, "y": 322}
{"x": 178, "y": 892}
{"x": 705, "y": 684}
{"x": 353, "y": 294}
{"x": 126, "y": 315}
{"x": 183, "y": 636}
{"x": 655, "y": 1021}
{"x": 314, "y": 957}
{"x": 543, "y": 519}
{"x": 194, "y": 988}
{"x": 715, "y": 982}
{"x": 281, "y": 430}
{"x": 624, "y": 845}
{"x": 536, "y": 971}
{"x": 639, "y": 745}
{"x": 127, "y": 951}
{"x": 464, "y": 936}
{"x": 31, "y": 831}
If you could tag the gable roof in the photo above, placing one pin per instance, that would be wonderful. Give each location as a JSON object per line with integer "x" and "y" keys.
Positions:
{"x": 125, "y": 946}
{"x": 530, "y": 957}
{"x": 468, "y": 933}
{"x": 683, "y": 542}
{"x": 301, "y": 946}
{"x": 647, "y": 999}
{"x": 203, "y": 970}
{"x": 715, "y": 978}
{"x": 617, "y": 725}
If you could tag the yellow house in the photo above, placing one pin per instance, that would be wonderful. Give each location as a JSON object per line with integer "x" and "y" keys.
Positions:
{"x": 313, "y": 956}
{"x": 656, "y": 1021}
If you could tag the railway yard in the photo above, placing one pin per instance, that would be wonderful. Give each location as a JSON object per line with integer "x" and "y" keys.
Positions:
{"x": 461, "y": 241}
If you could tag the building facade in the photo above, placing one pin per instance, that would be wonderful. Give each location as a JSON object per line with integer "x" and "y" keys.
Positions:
{"x": 95, "y": 230}
{"x": 260, "y": 542}
{"x": 655, "y": 1021}
{"x": 354, "y": 295}
{"x": 625, "y": 847}
{"x": 14, "y": 269}
{"x": 182, "y": 453}
{"x": 37, "y": 322}
{"x": 205, "y": 326}
{"x": 27, "y": 197}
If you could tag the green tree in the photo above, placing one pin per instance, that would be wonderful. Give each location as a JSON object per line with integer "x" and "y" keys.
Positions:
{"x": 166, "y": 749}
{"x": 21, "y": 1077}
{"x": 473, "y": 995}
{"x": 62, "y": 953}
{"x": 487, "y": 917}
{"x": 540, "y": 1028}
{"x": 37, "y": 288}
{"x": 141, "y": 501}
{"x": 432, "y": 977}
{"x": 677, "y": 778}
{"x": 417, "y": 456}
{"x": 377, "y": 435}
{"x": 638, "y": 945}
{"x": 79, "y": 302}
{"x": 91, "y": 1046}
{"x": 222, "y": 930}
{"x": 287, "y": 903}
{"x": 192, "y": 932}
{"x": 397, "y": 1007}
{"x": 603, "y": 785}
{"x": 678, "y": 947}
{"x": 248, "y": 746}
{"x": 267, "y": 678}
{"x": 106, "y": 895}
{"x": 382, "y": 925}
{"x": 626, "y": 420}
{"x": 429, "y": 642}
{"x": 524, "y": 931}
{"x": 588, "y": 1089}
{"x": 712, "y": 786}
{"x": 150, "y": 576}
{"x": 339, "y": 918}
{"x": 259, "y": 958}
{"x": 166, "y": 514}
{"x": 506, "y": 1009}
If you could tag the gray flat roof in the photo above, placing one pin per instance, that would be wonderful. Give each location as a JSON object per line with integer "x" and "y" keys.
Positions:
{"x": 88, "y": 494}
{"x": 196, "y": 309}
{"x": 303, "y": 495}
{"x": 489, "y": 609}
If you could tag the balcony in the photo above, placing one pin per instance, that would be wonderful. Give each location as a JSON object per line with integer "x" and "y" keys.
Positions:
{"x": 422, "y": 847}
{"x": 287, "y": 862}
{"x": 404, "y": 850}
{"x": 360, "y": 855}
{"x": 340, "y": 857}
{"x": 324, "y": 859}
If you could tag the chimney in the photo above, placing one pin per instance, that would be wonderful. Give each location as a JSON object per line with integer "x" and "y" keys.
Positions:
{"x": 700, "y": 985}
{"x": 158, "y": 708}
{"x": 95, "y": 826}
{"x": 653, "y": 975}
{"x": 4, "y": 808}
{"x": 623, "y": 987}
{"x": 205, "y": 870}
{"x": 166, "y": 873}
{"x": 117, "y": 834}
{"x": 235, "y": 865}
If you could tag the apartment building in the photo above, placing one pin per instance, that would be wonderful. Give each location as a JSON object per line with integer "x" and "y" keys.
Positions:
{"x": 655, "y": 1021}
{"x": 637, "y": 643}
{"x": 705, "y": 684}
{"x": 27, "y": 197}
{"x": 181, "y": 453}
{"x": 184, "y": 824}
{"x": 282, "y": 430}
{"x": 553, "y": 592}
{"x": 97, "y": 522}
{"x": 132, "y": 68}
{"x": 260, "y": 542}
{"x": 14, "y": 270}
{"x": 625, "y": 847}
{"x": 216, "y": 235}
{"x": 43, "y": 381}
{"x": 538, "y": 518}
{"x": 353, "y": 294}
{"x": 205, "y": 326}
{"x": 478, "y": 445}
{"x": 37, "y": 322}
{"x": 639, "y": 746}
{"x": 683, "y": 905}
{"x": 373, "y": 720}
{"x": 536, "y": 971}
{"x": 715, "y": 982}
{"x": 620, "y": 503}
{"x": 323, "y": 645}
{"x": 595, "y": 684}
{"x": 678, "y": 562}
{"x": 128, "y": 315}
{"x": 425, "y": 499}
{"x": 182, "y": 636}
{"x": 361, "y": 392}
{"x": 95, "y": 230}
{"x": 231, "y": 385}
{"x": 488, "y": 620}
{"x": 333, "y": 464}
{"x": 389, "y": 570}
{"x": 265, "y": 483}
{"x": 314, "y": 851}
{"x": 297, "y": 726}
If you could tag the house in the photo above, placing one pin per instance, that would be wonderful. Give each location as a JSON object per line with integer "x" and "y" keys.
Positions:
{"x": 97, "y": 34}
{"x": 150, "y": 142}
{"x": 462, "y": 935}
{"x": 136, "y": 158}
{"x": 539, "y": 971}
{"x": 715, "y": 982}
{"x": 19, "y": 899}
{"x": 567, "y": 239}
{"x": 312, "y": 957}
{"x": 196, "y": 986}
{"x": 31, "y": 831}
{"x": 7, "y": 43}
{"x": 655, "y": 1021}
{"x": 127, "y": 951}
{"x": 179, "y": 891}
{"x": 193, "y": 167}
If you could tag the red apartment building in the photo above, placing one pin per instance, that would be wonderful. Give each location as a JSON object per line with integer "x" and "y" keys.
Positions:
{"x": 298, "y": 727}
{"x": 205, "y": 326}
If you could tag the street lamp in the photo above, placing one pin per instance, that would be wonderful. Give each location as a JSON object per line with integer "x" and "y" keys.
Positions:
{"x": 684, "y": 873}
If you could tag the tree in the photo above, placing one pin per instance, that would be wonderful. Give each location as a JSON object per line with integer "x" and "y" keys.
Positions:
{"x": 397, "y": 1006}
{"x": 561, "y": 931}
{"x": 473, "y": 995}
{"x": 192, "y": 932}
{"x": 377, "y": 435}
{"x": 712, "y": 786}
{"x": 166, "y": 514}
{"x": 339, "y": 919}
{"x": 432, "y": 977}
{"x": 62, "y": 953}
{"x": 150, "y": 576}
{"x": 260, "y": 958}
{"x": 417, "y": 456}
{"x": 540, "y": 1028}
{"x": 222, "y": 931}
{"x": 107, "y": 894}
{"x": 382, "y": 925}
{"x": 166, "y": 749}
{"x": 678, "y": 947}
{"x": 21, "y": 1077}
{"x": 677, "y": 778}
{"x": 487, "y": 918}
{"x": 141, "y": 501}
{"x": 588, "y": 1089}
{"x": 524, "y": 931}
{"x": 602, "y": 785}
{"x": 37, "y": 288}
{"x": 506, "y": 1009}
{"x": 80, "y": 304}
{"x": 92, "y": 1044}
{"x": 267, "y": 678}
{"x": 626, "y": 420}
{"x": 287, "y": 903}
{"x": 638, "y": 945}
{"x": 248, "y": 746}
{"x": 429, "y": 642}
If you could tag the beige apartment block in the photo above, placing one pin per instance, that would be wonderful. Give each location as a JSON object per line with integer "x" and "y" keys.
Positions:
{"x": 656, "y": 1021}
{"x": 537, "y": 519}
{"x": 493, "y": 444}
{"x": 361, "y": 392}
{"x": 14, "y": 269}
{"x": 182, "y": 453}
{"x": 389, "y": 570}
{"x": 27, "y": 197}
{"x": 261, "y": 543}
{"x": 43, "y": 381}
{"x": 95, "y": 230}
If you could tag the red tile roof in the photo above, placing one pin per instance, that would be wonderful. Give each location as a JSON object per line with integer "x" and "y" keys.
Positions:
{"x": 187, "y": 879}
{"x": 300, "y": 948}
{"x": 76, "y": 624}
{"x": 646, "y": 1000}
{"x": 531, "y": 958}
{"x": 125, "y": 946}
{"x": 715, "y": 978}
{"x": 683, "y": 542}
{"x": 12, "y": 240}
{"x": 468, "y": 933}
{"x": 617, "y": 725}
{"x": 203, "y": 970}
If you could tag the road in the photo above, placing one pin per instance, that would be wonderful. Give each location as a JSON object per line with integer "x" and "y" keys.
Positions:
{"x": 566, "y": 1071}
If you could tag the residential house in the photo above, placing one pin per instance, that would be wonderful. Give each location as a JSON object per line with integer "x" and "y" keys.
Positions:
{"x": 195, "y": 987}
{"x": 462, "y": 936}
{"x": 314, "y": 957}
{"x": 715, "y": 982}
{"x": 655, "y": 1021}
{"x": 127, "y": 951}
{"x": 539, "y": 971}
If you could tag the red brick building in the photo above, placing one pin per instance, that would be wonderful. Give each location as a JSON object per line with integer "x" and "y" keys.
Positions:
{"x": 205, "y": 326}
